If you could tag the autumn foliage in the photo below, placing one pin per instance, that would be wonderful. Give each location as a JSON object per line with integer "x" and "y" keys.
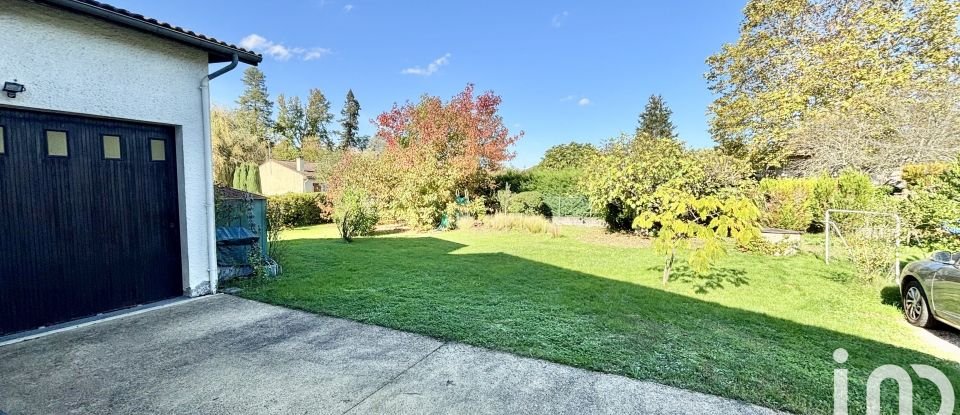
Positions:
{"x": 465, "y": 133}
{"x": 434, "y": 151}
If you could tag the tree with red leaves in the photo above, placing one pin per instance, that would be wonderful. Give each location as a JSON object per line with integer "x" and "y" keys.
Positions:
{"x": 436, "y": 150}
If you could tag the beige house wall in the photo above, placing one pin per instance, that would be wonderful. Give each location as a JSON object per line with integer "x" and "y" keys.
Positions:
{"x": 276, "y": 179}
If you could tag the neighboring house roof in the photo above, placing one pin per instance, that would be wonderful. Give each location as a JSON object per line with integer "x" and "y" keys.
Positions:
{"x": 218, "y": 51}
{"x": 309, "y": 169}
{"x": 230, "y": 193}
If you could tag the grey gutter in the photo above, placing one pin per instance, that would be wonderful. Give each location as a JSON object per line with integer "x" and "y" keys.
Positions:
{"x": 225, "y": 69}
{"x": 223, "y": 52}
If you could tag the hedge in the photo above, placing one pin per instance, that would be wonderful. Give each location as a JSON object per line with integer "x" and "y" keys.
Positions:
{"x": 299, "y": 209}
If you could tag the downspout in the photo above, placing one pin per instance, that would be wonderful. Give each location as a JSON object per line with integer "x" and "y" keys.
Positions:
{"x": 212, "y": 276}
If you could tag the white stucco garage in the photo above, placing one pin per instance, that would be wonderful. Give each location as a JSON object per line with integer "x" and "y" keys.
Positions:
{"x": 109, "y": 89}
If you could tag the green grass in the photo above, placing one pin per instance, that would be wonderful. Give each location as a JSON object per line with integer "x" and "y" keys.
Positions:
{"x": 758, "y": 329}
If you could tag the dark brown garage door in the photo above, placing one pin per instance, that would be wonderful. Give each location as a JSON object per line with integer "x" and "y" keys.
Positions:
{"x": 89, "y": 218}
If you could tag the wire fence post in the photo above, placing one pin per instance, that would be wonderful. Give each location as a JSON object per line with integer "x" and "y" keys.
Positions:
{"x": 896, "y": 254}
{"x": 826, "y": 228}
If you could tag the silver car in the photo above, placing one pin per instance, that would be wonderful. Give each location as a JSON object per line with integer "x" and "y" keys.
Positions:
{"x": 931, "y": 290}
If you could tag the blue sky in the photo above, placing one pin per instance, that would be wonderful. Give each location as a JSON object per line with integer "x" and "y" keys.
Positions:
{"x": 566, "y": 70}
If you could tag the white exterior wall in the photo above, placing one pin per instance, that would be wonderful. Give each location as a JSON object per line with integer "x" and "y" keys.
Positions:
{"x": 80, "y": 65}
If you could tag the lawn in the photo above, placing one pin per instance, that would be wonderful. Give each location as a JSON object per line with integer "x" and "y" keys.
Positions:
{"x": 759, "y": 329}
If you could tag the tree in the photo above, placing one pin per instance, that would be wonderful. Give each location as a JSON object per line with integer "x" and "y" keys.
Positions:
{"x": 317, "y": 116}
{"x": 686, "y": 220}
{"x": 232, "y": 145}
{"x": 882, "y": 135}
{"x": 655, "y": 119}
{"x": 284, "y": 149}
{"x": 350, "y": 123}
{"x": 797, "y": 57}
{"x": 247, "y": 178}
{"x": 620, "y": 180}
{"x": 291, "y": 121}
{"x": 253, "y": 105}
{"x": 436, "y": 149}
{"x": 567, "y": 156}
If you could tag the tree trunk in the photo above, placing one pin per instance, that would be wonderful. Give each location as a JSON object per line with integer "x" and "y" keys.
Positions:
{"x": 668, "y": 267}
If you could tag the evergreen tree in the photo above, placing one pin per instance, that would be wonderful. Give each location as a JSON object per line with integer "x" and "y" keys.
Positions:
{"x": 253, "y": 105}
{"x": 655, "y": 119}
{"x": 350, "y": 123}
{"x": 247, "y": 178}
{"x": 291, "y": 120}
{"x": 317, "y": 115}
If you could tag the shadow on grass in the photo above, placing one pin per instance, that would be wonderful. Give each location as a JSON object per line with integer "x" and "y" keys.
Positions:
{"x": 539, "y": 310}
{"x": 715, "y": 279}
{"x": 890, "y": 295}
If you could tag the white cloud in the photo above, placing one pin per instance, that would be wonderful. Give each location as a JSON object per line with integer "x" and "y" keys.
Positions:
{"x": 347, "y": 8}
{"x": 280, "y": 51}
{"x": 315, "y": 53}
{"x": 559, "y": 19}
{"x": 430, "y": 69}
{"x": 580, "y": 100}
{"x": 253, "y": 41}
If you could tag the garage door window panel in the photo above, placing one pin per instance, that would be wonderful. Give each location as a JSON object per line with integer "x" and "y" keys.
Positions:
{"x": 57, "y": 143}
{"x": 158, "y": 149}
{"x": 111, "y": 147}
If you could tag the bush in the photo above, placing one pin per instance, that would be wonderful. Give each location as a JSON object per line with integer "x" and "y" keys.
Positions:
{"x": 519, "y": 222}
{"x": 932, "y": 203}
{"x": 475, "y": 209}
{"x": 787, "y": 203}
{"x": 572, "y": 205}
{"x": 517, "y": 179}
{"x": 553, "y": 181}
{"x": 247, "y": 178}
{"x": 355, "y": 214}
{"x": 622, "y": 178}
{"x": 923, "y": 174}
{"x": 528, "y": 203}
{"x": 855, "y": 191}
{"x": 800, "y": 204}
{"x": 292, "y": 210}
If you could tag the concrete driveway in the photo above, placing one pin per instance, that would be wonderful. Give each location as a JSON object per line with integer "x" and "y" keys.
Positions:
{"x": 223, "y": 354}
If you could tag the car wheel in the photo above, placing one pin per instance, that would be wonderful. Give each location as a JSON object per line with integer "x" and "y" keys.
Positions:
{"x": 915, "y": 306}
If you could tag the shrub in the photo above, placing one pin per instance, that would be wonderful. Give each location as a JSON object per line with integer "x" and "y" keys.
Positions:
{"x": 923, "y": 174}
{"x": 932, "y": 203}
{"x": 529, "y": 203}
{"x": 621, "y": 179}
{"x": 800, "y": 204}
{"x": 517, "y": 179}
{"x": 299, "y": 209}
{"x": 475, "y": 209}
{"x": 355, "y": 214}
{"x": 520, "y": 222}
{"x": 564, "y": 205}
{"x": 247, "y": 178}
{"x": 855, "y": 191}
{"x": 554, "y": 181}
{"x": 787, "y": 203}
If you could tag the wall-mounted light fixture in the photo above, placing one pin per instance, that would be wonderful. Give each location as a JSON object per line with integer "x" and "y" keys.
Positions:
{"x": 13, "y": 88}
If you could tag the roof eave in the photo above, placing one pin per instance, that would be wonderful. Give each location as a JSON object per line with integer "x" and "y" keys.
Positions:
{"x": 216, "y": 52}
